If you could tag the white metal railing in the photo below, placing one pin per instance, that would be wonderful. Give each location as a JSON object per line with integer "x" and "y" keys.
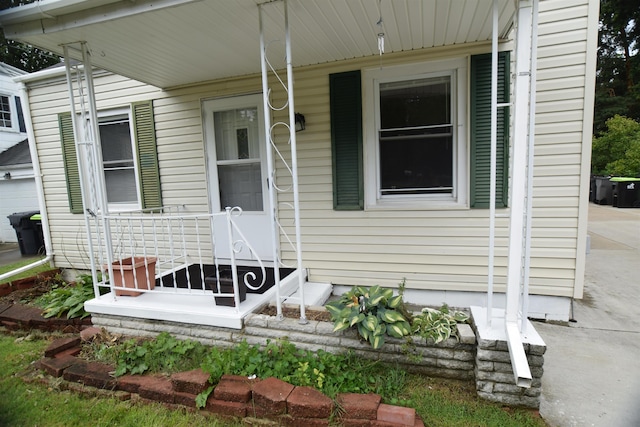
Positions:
{"x": 171, "y": 250}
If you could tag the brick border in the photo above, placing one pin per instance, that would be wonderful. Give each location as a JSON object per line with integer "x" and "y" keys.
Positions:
{"x": 233, "y": 396}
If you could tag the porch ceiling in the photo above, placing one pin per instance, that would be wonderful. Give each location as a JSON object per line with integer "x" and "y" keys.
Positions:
{"x": 170, "y": 43}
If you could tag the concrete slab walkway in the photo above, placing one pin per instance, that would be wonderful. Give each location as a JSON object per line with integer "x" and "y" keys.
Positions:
{"x": 592, "y": 366}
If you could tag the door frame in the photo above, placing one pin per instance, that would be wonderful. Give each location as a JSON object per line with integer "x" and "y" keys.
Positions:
{"x": 209, "y": 107}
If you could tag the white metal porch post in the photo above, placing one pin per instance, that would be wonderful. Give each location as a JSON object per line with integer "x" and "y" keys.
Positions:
{"x": 293, "y": 168}
{"x": 88, "y": 155}
{"x": 521, "y": 188}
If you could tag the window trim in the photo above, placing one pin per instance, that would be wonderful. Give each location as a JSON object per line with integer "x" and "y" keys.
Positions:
{"x": 114, "y": 114}
{"x": 12, "y": 112}
{"x": 457, "y": 68}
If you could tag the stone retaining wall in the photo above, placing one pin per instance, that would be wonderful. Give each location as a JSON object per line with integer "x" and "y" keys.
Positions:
{"x": 486, "y": 361}
{"x": 449, "y": 359}
{"x": 494, "y": 374}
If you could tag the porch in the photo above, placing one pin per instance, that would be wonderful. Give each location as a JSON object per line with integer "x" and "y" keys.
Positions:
{"x": 166, "y": 305}
{"x": 177, "y": 266}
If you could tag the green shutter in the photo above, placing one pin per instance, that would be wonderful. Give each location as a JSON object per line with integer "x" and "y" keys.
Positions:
{"x": 346, "y": 140}
{"x": 145, "y": 142}
{"x": 481, "y": 131}
{"x": 70, "y": 160}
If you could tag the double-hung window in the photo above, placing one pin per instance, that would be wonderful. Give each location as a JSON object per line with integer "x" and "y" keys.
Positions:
{"x": 5, "y": 112}
{"x": 415, "y": 146}
{"x": 129, "y": 158}
{"x": 118, "y": 160}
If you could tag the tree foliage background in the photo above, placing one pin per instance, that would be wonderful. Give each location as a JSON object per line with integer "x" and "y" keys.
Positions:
{"x": 23, "y": 56}
{"x": 618, "y": 69}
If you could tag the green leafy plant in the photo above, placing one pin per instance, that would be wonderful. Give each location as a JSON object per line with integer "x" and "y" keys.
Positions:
{"x": 438, "y": 324}
{"x": 327, "y": 372}
{"x": 165, "y": 353}
{"x": 374, "y": 312}
{"x": 68, "y": 298}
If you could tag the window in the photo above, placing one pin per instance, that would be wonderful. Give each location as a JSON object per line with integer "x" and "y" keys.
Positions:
{"x": 416, "y": 137}
{"x": 393, "y": 151}
{"x": 415, "y": 140}
{"x": 5, "y": 112}
{"x": 130, "y": 158}
{"x": 118, "y": 161}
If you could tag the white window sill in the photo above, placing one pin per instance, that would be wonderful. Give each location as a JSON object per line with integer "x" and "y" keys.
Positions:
{"x": 415, "y": 205}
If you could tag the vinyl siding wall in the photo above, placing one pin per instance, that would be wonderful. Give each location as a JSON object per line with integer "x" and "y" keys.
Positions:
{"x": 431, "y": 249}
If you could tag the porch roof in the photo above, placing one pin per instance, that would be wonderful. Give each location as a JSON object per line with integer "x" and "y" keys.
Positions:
{"x": 168, "y": 43}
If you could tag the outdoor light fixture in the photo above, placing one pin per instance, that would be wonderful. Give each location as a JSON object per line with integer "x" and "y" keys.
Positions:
{"x": 300, "y": 123}
{"x": 7, "y": 175}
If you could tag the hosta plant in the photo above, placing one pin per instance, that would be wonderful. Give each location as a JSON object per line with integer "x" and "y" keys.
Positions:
{"x": 438, "y": 324}
{"x": 374, "y": 312}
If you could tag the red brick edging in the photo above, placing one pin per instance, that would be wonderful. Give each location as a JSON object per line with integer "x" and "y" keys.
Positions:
{"x": 233, "y": 396}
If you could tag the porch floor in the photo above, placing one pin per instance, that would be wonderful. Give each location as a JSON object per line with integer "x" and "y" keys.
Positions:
{"x": 166, "y": 304}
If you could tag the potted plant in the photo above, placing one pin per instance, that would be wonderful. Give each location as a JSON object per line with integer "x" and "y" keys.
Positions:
{"x": 135, "y": 273}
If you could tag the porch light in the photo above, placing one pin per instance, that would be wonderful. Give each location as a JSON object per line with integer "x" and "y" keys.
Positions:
{"x": 300, "y": 122}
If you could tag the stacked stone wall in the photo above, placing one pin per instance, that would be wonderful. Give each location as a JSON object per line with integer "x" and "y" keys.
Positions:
{"x": 494, "y": 374}
{"x": 486, "y": 361}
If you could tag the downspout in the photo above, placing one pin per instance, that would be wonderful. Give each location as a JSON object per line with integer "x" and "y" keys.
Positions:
{"x": 523, "y": 125}
{"x": 35, "y": 161}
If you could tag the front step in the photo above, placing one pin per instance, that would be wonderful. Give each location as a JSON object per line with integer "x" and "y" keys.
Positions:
{"x": 315, "y": 294}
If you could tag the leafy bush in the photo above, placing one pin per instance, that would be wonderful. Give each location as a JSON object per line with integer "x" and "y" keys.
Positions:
{"x": 438, "y": 325}
{"x": 68, "y": 298}
{"x": 162, "y": 354}
{"x": 375, "y": 312}
{"x": 617, "y": 151}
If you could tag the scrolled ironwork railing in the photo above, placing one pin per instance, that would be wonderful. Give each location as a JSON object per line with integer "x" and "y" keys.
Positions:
{"x": 171, "y": 250}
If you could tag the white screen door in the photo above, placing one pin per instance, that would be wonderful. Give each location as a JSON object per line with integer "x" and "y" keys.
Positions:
{"x": 235, "y": 147}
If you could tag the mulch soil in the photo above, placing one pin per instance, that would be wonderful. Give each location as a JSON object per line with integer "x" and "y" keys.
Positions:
{"x": 293, "y": 312}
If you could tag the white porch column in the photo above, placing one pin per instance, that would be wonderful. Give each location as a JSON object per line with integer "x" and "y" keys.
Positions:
{"x": 84, "y": 116}
{"x": 292, "y": 168}
{"x": 523, "y": 126}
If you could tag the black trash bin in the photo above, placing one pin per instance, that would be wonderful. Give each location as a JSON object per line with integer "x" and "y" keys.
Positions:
{"x": 28, "y": 232}
{"x": 604, "y": 190}
{"x": 627, "y": 192}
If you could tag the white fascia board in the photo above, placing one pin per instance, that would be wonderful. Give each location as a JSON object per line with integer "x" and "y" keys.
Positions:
{"x": 47, "y": 9}
{"x": 88, "y": 12}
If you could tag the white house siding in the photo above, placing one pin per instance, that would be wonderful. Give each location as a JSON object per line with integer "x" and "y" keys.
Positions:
{"x": 431, "y": 249}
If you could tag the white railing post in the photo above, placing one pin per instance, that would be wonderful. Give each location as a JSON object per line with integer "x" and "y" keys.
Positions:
{"x": 234, "y": 271}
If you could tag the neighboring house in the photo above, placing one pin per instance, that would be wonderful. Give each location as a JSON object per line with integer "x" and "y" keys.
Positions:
{"x": 17, "y": 183}
{"x": 394, "y": 164}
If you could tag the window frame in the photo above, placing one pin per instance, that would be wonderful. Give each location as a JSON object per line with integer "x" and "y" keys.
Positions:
{"x": 119, "y": 114}
{"x": 11, "y": 110}
{"x": 457, "y": 69}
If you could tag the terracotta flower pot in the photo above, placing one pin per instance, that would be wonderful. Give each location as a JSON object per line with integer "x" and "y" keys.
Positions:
{"x": 128, "y": 271}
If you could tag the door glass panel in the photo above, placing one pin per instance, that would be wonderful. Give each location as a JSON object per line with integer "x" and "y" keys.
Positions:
{"x": 241, "y": 185}
{"x": 238, "y": 158}
{"x": 237, "y": 134}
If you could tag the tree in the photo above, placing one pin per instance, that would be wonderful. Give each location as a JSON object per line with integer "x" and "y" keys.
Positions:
{"x": 617, "y": 151}
{"x": 20, "y": 55}
{"x": 618, "y": 69}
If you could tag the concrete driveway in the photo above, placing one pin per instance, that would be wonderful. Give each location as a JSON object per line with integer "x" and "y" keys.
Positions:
{"x": 592, "y": 366}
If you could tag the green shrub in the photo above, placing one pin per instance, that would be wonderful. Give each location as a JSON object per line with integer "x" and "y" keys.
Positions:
{"x": 617, "y": 151}
{"x": 375, "y": 312}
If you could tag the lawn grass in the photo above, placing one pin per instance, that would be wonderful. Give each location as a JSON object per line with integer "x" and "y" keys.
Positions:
{"x": 31, "y": 272}
{"x": 34, "y": 404}
{"x": 439, "y": 402}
